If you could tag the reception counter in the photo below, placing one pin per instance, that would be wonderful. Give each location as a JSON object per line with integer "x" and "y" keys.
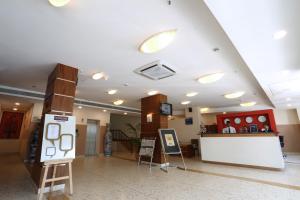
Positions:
{"x": 253, "y": 149}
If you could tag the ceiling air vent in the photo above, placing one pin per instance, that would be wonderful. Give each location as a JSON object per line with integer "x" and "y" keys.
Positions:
{"x": 156, "y": 70}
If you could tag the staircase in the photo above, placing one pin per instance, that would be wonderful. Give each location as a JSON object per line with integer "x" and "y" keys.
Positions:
{"x": 121, "y": 138}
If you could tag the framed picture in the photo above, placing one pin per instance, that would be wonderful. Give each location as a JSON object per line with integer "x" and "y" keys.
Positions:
{"x": 189, "y": 121}
{"x": 253, "y": 128}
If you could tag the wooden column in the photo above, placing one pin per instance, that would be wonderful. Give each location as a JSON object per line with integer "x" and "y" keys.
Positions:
{"x": 151, "y": 105}
{"x": 59, "y": 100}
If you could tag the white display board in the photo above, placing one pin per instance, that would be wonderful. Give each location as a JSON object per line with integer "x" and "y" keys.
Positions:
{"x": 58, "y": 138}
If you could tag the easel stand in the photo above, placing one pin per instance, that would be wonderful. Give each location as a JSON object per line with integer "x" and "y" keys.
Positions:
{"x": 147, "y": 150}
{"x": 170, "y": 146}
{"x": 168, "y": 165}
{"x": 52, "y": 180}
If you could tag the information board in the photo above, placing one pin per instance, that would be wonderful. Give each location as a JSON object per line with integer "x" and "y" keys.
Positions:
{"x": 169, "y": 141}
{"x": 147, "y": 147}
{"x": 58, "y": 138}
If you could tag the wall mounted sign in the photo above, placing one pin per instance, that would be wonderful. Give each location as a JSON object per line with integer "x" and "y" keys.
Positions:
{"x": 58, "y": 138}
{"x": 149, "y": 117}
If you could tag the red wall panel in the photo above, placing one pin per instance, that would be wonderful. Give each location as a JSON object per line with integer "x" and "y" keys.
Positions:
{"x": 242, "y": 115}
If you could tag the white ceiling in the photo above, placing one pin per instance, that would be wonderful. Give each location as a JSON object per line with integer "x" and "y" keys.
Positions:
{"x": 275, "y": 63}
{"x": 101, "y": 35}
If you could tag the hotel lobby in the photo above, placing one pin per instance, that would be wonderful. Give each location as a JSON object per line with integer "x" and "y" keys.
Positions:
{"x": 160, "y": 99}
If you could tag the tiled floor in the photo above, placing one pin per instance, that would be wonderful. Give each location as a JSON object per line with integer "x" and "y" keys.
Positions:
{"x": 99, "y": 178}
{"x": 288, "y": 177}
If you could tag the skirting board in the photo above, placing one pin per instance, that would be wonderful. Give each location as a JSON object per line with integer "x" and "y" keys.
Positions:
{"x": 55, "y": 188}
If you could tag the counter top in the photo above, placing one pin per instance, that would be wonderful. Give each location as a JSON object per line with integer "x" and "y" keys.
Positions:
{"x": 239, "y": 135}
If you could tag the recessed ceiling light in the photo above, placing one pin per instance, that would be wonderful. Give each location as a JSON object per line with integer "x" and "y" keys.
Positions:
{"x": 224, "y": 113}
{"x": 153, "y": 92}
{"x": 248, "y": 104}
{"x": 279, "y": 34}
{"x": 234, "y": 95}
{"x": 289, "y": 105}
{"x": 111, "y": 92}
{"x": 104, "y": 110}
{"x": 210, "y": 78}
{"x": 288, "y": 99}
{"x": 204, "y": 110}
{"x": 17, "y": 104}
{"x": 185, "y": 102}
{"x": 59, "y": 3}
{"x": 98, "y": 75}
{"x": 125, "y": 113}
{"x": 158, "y": 41}
{"x": 79, "y": 107}
{"x": 118, "y": 102}
{"x": 191, "y": 94}
{"x": 15, "y": 109}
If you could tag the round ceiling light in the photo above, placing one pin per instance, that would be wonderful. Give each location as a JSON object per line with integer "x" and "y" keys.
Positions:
{"x": 158, "y": 41}
{"x": 118, "y": 102}
{"x": 191, "y": 94}
{"x": 111, "y": 92}
{"x": 59, "y": 3}
{"x": 98, "y": 75}
{"x": 125, "y": 113}
{"x": 234, "y": 95}
{"x": 210, "y": 78}
{"x": 279, "y": 34}
{"x": 153, "y": 92}
{"x": 15, "y": 109}
{"x": 17, "y": 104}
{"x": 185, "y": 102}
{"x": 248, "y": 104}
{"x": 104, "y": 110}
{"x": 79, "y": 107}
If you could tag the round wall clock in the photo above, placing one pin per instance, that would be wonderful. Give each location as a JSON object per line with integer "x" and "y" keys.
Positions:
{"x": 225, "y": 120}
{"x": 237, "y": 120}
{"x": 262, "y": 119}
{"x": 249, "y": 120}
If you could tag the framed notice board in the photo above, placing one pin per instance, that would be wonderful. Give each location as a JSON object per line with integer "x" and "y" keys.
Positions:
{"x": 169, "y": 141}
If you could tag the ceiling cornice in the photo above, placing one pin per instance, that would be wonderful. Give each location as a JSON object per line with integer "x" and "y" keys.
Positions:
{"x": 12, "y": 91}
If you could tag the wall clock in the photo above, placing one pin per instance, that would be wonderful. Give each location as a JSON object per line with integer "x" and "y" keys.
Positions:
{"x": 225, "y": 120}
{"x": 249, "y": 120}
{"x": 237, "y": 120}
{"x": 262, "y": 119}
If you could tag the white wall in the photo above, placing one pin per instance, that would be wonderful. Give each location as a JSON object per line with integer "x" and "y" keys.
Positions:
{"x": 184, "y": 132}
{"x": 284, "y": 117}
{"x": 187, "y": 132}
{"x": 91, "y": 113}
{"x": 118, "y": 121}
{"x": 209, "y": 119}
{"x": 81, "y": 114}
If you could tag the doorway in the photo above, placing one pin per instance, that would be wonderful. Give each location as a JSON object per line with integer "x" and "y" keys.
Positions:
{"x": 91, "y": 138}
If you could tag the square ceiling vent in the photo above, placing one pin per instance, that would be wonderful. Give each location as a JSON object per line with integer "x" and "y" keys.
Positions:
{"x": 156, "y": 70}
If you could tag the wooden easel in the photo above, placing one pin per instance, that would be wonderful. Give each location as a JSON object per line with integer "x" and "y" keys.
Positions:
{"x": 56, "y": 164}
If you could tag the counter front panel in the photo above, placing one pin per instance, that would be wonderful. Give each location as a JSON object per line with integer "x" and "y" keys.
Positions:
{"x": 261, "y": 149}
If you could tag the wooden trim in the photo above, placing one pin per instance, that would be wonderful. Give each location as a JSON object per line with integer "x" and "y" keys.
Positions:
{"x": 282, "y": 185}
{"x": 240, "y": 135}
{"x": 66, "y": 80}
{"x": 62, "y": 95}
{"x": 242, "y": 165}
